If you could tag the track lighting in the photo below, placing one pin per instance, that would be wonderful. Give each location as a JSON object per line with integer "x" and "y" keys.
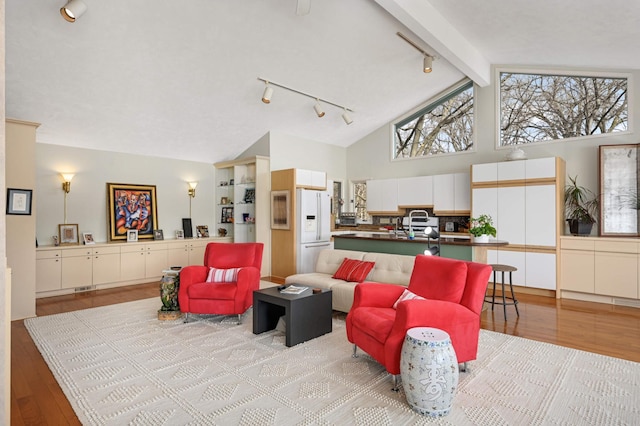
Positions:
{"x": 346, "y": 117}
{"x": 428, "y": 59}
{"x": 73, "y": 10}
{"x": 318, "y": 109}
{"x": 268, "y": 91}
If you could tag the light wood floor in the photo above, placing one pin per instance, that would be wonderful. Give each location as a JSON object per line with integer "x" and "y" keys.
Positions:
{"x": 36, "y": 397}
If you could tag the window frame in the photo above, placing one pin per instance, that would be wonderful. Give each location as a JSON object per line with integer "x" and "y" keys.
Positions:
{"x": 433, "y": 102}
{"x": 564, "y": 72}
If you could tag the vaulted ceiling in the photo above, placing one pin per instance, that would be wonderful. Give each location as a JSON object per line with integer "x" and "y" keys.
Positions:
{"x": 180, "y": 79}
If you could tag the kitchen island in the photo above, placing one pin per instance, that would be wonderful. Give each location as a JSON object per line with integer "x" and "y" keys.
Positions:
{"x": 454, "y": 248}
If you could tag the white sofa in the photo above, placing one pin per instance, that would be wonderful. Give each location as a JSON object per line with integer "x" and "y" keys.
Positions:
{"x": 388, "y": 268}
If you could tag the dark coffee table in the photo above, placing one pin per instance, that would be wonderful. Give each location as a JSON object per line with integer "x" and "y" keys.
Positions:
{"x": 306, "y": 315}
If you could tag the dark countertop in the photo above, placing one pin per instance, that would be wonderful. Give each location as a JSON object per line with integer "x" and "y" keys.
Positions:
{"x": 421, "y": 240}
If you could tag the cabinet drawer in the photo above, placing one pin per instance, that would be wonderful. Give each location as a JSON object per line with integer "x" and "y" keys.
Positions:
{"x": 177, "y": 245}
{"x": 76, "y": 252}
{"x": 48, "y": 254}
{"x": 106, "y": 250}
{"x": 156, "y": 246}
{"x": 576, "y": 244}
{"x": 132, "y": 248}
{"x": 617, "y": 246}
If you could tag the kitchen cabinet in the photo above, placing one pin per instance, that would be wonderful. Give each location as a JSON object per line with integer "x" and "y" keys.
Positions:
{"x": 48, "y": 270}
{"x": 155, "y": 260}
{"x": 132, "y": 264}
{"x": 311, "y": 179}
{"x": 415, "y": 191}
{"x": 451, "y": 194}
{"x": 106, "y": 265}
{"x": 522, "y": 198}
{"x": 382, "y": 196}
{"x": 76, "y": 268}
{"x": 178, "y": 253}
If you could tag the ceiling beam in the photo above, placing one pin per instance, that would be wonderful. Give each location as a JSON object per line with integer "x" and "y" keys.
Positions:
{"x": 428, "y": 24}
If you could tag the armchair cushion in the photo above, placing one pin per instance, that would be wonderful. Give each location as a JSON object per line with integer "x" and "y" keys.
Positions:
{"x": 217, "y": 275}
{"x": 441, "y": 280}
{"x": 224, "y": 291}
{"x": 376, "y": 322}
{"x": 353, "y": 270}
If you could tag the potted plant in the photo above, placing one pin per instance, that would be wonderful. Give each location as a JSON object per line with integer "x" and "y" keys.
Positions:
{"x": 580, "y": 207}
{"x": 481, "y": 227}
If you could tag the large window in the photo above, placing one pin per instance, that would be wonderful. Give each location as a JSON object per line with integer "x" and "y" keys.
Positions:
{"x": 444, "y": 126}
{"x": 543, "y": 107}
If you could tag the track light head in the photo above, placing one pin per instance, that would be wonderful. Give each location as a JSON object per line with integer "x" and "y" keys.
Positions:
{"x": 266, "y": 96}
{"x": 73, "y": 10}
{"x": 318, "y": 109}
{"x": 426, "y": 64}
{"x": 346, "y": 117}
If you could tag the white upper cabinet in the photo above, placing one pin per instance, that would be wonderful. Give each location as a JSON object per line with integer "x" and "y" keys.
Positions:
{"x": 484, "y": 172}
{"x": 382, "y": 195}
{"x": 511, "y": 170}
{"x": 451, "y": 194}
{"x": 541, "y": 168}
{"x": 311, "y": 179}
{"x": 541, "y": 215}
{"x": 462, "y": 188}
{"x": 415, "y": 191}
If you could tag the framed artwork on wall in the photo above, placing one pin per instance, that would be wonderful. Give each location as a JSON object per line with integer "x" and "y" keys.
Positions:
{"x": 68, "y": 234}
{"x": 19, "y": 201}
{"x": 280, "y": 211}
{"x": 619, "y": 190}
{"x": 131, "y": 207}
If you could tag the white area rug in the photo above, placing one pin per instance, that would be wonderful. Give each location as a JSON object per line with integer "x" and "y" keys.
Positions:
{"x": 119, "y": 365}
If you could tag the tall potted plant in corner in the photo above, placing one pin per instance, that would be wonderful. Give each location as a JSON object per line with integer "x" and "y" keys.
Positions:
{"x": 580, "y": 207}
{"x": 481, "y": 228}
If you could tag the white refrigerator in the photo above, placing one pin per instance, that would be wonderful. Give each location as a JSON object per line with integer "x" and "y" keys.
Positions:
{"x": 313, "y": 216}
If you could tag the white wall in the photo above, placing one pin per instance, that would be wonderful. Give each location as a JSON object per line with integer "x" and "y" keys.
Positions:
{"x": 87, "y": 201}
{"x": 370, "y": 157}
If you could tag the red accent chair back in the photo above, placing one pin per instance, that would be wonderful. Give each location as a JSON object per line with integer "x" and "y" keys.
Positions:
{"x": 197, "y": 296}
{"x": 454, "y": 291}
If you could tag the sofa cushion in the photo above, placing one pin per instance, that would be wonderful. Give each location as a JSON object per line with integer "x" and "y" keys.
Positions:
{"x": 330, "y": 260}
{"x": 353, "y": 270}
{"x": 406, "y": 295}
{"x": 439, "y": 278}
{"x": 217, "y": 275}
{"x": 390, "y": 268}
{"x": 376, "y": 322}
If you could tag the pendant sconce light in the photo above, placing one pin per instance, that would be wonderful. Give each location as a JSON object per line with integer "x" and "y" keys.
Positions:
{"x": 66, "y": 187}
{"x": 73, "y": 10}
{"x": 268, "y": 91}
{"x": 427, "y": 62}
{"x": 318, "y": 109}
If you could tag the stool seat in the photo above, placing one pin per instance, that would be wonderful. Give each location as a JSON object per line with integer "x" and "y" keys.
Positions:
{"x": 506, "y": 300}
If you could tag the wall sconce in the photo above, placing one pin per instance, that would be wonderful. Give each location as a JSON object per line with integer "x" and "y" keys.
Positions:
{"x": 66, "y": 181}
{"x": 73, "y": 10}
{"x": 192, "y": 189}
{"x": 66, "y": 187}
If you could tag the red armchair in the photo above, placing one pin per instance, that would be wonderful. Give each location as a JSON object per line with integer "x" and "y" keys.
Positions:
{"x": 454, "y": 291}
{"x": 197, "y": 296}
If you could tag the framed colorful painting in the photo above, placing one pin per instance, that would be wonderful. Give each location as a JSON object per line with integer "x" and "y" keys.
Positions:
{"x": 131, "y": 207}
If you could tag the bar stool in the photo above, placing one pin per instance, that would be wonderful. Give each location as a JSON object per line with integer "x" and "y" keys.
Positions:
{"x": 492, "y": 299}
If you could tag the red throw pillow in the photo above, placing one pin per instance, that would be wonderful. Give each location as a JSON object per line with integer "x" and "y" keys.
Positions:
{"x": 223, "y": 275}
{"x": 353, "y": 270}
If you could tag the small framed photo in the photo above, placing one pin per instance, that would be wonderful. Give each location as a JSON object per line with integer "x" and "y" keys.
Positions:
{"x": 231, "y": 182}
{"x": 19, "y": 201}
{"x": 179, "y": 234}
{"x": 203, "y": 231}
{"x": 87, "y": 237}
{"x": 132, "y": 235}
{"x": 224, "y": 200}
{"x": 68, "y": 234}
{"x": 158, "y": 234}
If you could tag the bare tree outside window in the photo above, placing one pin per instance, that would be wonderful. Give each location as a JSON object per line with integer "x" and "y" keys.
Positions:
{"x": 443, "y": 126}
{"x": 540, "y": 107}
{"x": 360, "y": 201}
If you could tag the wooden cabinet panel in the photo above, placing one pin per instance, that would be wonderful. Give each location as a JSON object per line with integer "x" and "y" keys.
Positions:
{"x": 196, "y": 252}
{"x": 48, "y": 274}
{"x": 616, "y": 274}
{"x": 577, "y": 271}
{"x": 77, "y": 271}
{"x": 178, "y": 254}
{"x": 132, "y": 265}
{"x": 106, "y": 268}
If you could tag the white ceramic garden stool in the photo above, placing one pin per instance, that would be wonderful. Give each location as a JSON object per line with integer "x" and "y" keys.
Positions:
{"x": 429, "y": 371}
